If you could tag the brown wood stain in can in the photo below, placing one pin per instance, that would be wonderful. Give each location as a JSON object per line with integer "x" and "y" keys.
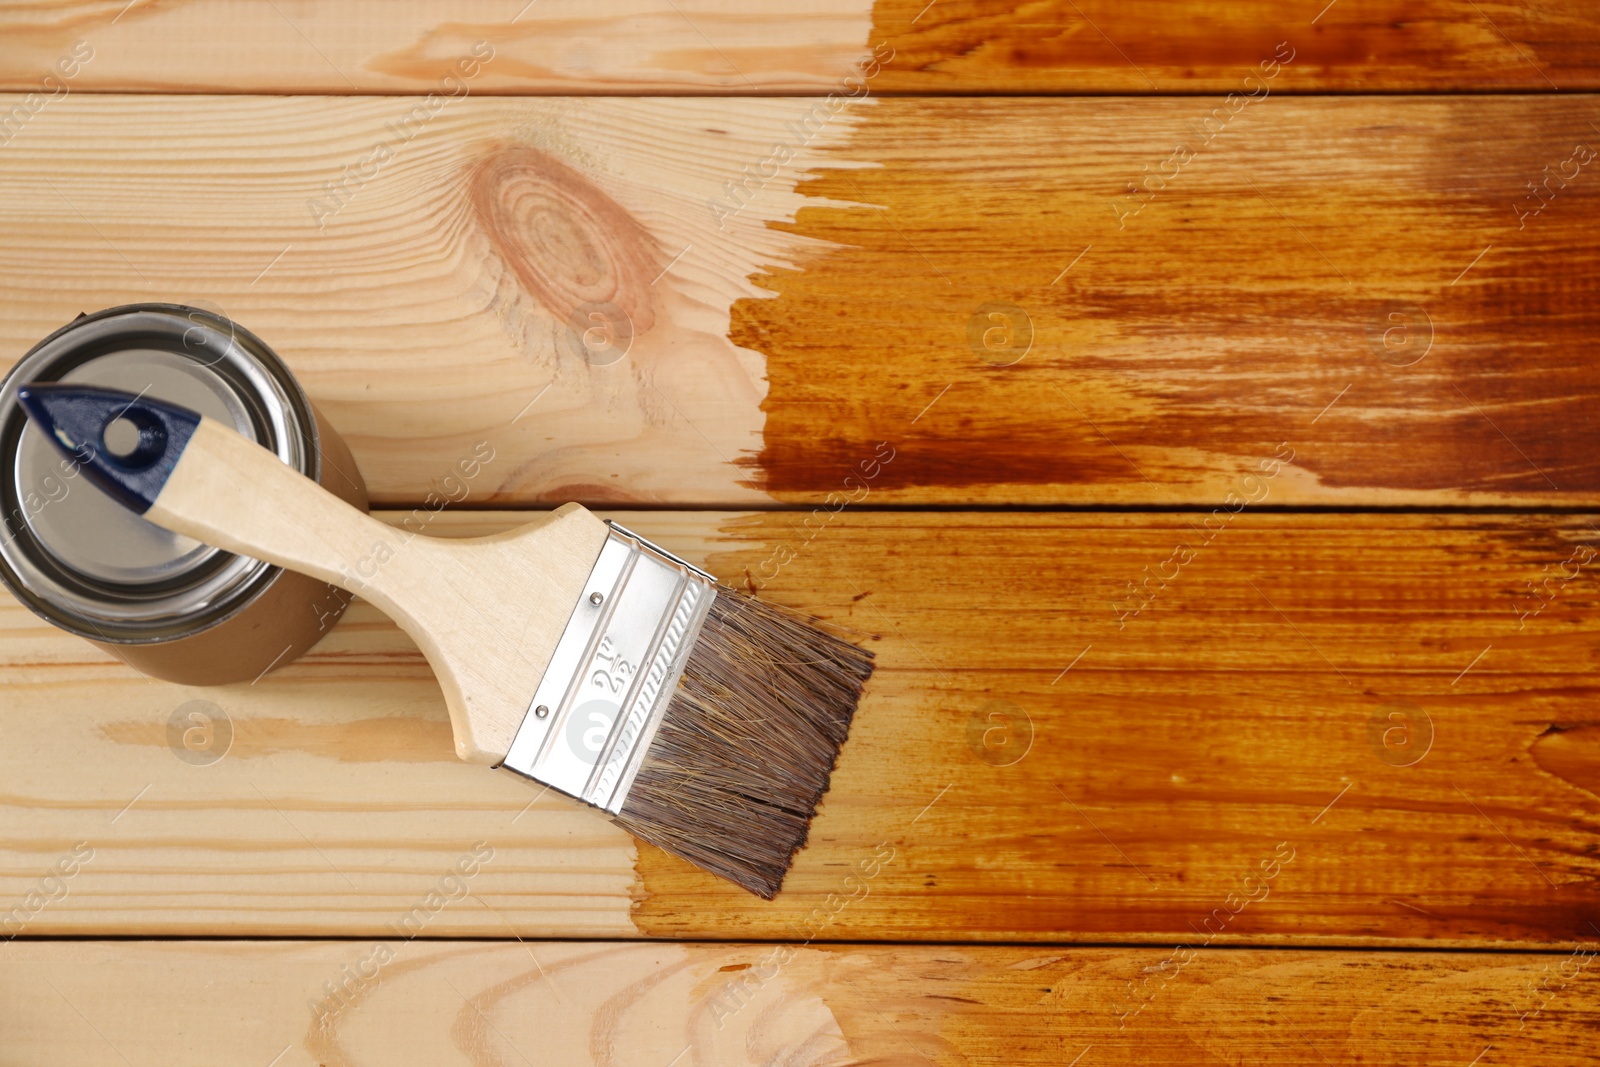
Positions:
{"x": 167, "y": 606}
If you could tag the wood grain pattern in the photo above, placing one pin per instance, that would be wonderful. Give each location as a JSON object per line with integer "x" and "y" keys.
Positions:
{"x": 1345, "y": 277}
{"x": 1153, "y": 47}
{"x": 1386, "y": 717}
{"x": 1222, "y": 736}
{"x": 589, "y": 353}
{"x": 368, "y": 46}
{"x": 718, "y": 46}
{"x": 1366, "y": 280}
{"x": 713, "y": 1005}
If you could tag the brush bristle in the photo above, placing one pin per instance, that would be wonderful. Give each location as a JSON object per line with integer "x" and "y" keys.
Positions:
{"x": 749, "y": 740}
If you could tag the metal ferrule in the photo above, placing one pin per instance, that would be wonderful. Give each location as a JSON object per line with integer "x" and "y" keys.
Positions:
{"x": 614, "y": 671}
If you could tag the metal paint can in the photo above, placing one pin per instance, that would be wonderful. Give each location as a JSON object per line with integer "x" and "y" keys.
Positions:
{"x": 169, "y": 606}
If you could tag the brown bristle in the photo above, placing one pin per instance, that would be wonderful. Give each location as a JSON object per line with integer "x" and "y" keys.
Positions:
{"x": 749, "y": 739}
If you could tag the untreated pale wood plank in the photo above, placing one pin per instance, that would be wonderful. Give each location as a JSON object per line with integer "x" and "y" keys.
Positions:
{"x": 341, "y": 1004}
{"x": 1344, "y": 729}
{"x": 634, "y": 301}
{"x": 722, "y": 46}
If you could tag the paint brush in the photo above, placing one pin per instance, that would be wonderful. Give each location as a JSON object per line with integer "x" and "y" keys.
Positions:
{"x": 570, "y": 650}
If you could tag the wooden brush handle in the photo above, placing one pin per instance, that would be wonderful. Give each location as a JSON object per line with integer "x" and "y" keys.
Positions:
{"x": 228, "y": 491}
{"x": 487, "y": 612}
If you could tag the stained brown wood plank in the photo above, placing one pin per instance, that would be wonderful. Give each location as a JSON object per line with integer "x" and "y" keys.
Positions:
{"x": 1346, "y": 280}
{"x": 1154, "y": 47}
{"x": 728, "y": 1005}
{"x": 1362, "y": 281}
{"x": 1333, "y": 729}
{"x": 718, "y": 46}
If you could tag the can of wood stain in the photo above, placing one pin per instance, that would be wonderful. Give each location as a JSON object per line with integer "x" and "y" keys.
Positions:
{"x": 169, "y": 606}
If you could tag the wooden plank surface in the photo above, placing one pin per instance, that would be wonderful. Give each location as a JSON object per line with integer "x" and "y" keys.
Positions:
{"x": 1329, "y": 729}
{"x": 1254, "y": 752}
{"x": 724, "y": 46}
{"x": 443, "y": 1003}
{"x": 1363, "y": 281}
